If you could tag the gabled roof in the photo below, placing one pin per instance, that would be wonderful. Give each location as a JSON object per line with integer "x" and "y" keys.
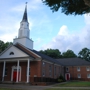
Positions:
{"x": 47, "y": 58}
{"x": 26, "y": 50}
{"x": 73, "y": 62}
{"x": 12, "y": 52}
{"x": 37, "y": 54}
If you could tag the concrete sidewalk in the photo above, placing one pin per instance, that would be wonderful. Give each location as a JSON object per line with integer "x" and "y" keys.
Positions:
{"x": 28, "y": 87}
{"x": 24, "y": 87}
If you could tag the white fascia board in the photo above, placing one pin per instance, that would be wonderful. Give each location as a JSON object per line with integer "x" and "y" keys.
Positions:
{"x": 29, "y": 50}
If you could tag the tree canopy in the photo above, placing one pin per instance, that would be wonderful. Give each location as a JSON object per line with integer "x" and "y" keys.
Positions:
{"x": 3, "y": 45}
{"x": 75, "y": 7}
{"x": 54, "y": 53}
{"x": 69, "y": 54}
{"x": 84, "y": 54}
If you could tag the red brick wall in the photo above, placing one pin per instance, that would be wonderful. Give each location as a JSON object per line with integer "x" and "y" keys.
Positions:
{"x": 58, "y": 71}
{"x": 35, "y": 68}
{"x": 47, "y": 71}
{"x": 23, "y": 71}
{"x": 9, "y": 67}
{"x": 74, "y": 73}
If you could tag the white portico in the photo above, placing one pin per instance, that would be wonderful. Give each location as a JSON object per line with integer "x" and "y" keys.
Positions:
{"x": 11, "y": 58}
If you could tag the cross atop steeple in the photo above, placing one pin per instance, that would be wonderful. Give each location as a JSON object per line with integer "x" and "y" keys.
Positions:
{"x": 25, "y": 19}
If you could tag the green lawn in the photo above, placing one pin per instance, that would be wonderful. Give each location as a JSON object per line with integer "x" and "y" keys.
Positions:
{"x": 74, "y": 84}
{"x": 64, "y": 89}
{"x": 71, "y": 84}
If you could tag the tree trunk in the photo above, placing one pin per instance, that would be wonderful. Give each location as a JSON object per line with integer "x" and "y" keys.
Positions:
{"x": 87, "y": 2}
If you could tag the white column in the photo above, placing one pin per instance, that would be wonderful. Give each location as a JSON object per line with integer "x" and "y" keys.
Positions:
{"x": 4, "y": 65}
{"x": 28, "y": 65}
{"x": 17, "y": 70}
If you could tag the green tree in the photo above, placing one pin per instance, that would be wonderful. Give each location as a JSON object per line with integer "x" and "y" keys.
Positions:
{"x": 54, "y": 53}
{"x": 75, "y": 7}
{"x": 69, "y": 54}
{"x": 3, "y": 45}
{"x": 84, "y": 54}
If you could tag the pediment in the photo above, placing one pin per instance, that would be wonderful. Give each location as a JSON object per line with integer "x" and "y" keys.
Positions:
{"x": 13, "y": 52}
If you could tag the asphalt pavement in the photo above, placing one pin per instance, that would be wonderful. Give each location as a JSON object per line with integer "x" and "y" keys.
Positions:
{"x": 29, "y": 87}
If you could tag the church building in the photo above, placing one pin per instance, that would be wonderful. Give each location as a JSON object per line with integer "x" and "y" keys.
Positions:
{"x": 21, "y": 63}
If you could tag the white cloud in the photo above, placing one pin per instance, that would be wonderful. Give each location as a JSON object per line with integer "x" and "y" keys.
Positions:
{"x": 74, "y": 41}
{"x": 8, "y": 37}
{"x": 87, "y": 18}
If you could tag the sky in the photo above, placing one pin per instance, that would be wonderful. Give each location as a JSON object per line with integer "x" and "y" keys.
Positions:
{"x": 47, "y": 29}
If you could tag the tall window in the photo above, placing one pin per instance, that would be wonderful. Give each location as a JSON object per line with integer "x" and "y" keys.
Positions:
{"x": 88, "y": 68}
{"x": 6, "y": 70}
{"x": 43, "y": 63}
{"x": 43, "y": 73}
{"x": 50, "y": 68}
{"x": 67, "y": 69}
{"x": 88, "y": 75}
{"x": 78, "y": 68}
{"x": 55, "y": 70}
{"x": 79, "y": 75}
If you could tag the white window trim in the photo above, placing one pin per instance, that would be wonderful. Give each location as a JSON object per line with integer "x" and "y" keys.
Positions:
{"x": 43, "y": 63}
{"x": 78, "y": 68}
{"x": 79, "y": 75}
{"x": 88, "y": 75}
{"x": 88, "y": 68}
{"x": 66, "y": 69}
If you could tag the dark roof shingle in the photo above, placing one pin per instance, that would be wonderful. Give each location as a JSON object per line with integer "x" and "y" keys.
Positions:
{"x": 47, "y": 57}
{"x": 73, "y": 62}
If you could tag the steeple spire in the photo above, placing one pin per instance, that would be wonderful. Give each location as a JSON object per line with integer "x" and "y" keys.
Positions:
{"x": 25, "y": 14}
{"x": 24, "y": 32}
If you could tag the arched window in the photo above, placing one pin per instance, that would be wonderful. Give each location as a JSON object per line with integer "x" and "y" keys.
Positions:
{"x": 11, "y": 53}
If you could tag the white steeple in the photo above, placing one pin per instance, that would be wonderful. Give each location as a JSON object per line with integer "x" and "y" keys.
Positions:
{"x": 23, "y": 34}
{"x": 24, "y": 26}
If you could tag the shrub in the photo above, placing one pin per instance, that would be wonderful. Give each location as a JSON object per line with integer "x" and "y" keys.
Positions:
{"x": 61, "y": 79}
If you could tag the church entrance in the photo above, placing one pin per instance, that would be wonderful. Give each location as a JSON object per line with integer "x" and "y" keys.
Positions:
{"x": 15, "y": 73}
{"x": 67, "y": 76}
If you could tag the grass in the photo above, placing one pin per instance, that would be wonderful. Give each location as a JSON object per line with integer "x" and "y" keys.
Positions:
{"x": 64, "y": 89}
{"x": 74, "y": 84}
{"x": 71, "y": 84}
